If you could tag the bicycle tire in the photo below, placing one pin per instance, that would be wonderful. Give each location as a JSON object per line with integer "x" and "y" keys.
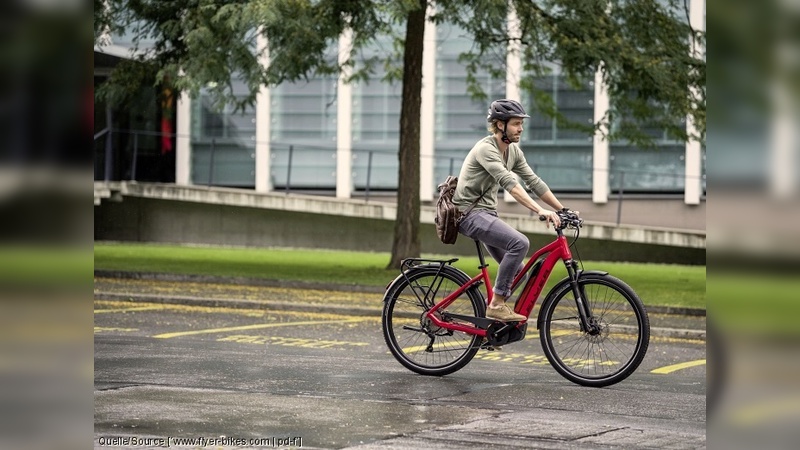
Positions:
{"x": 608, "y": 357}
{"x": 450, "y": 350}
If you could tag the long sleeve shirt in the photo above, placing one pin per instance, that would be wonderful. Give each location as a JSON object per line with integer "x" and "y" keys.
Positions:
{"x": 484, "y": 172}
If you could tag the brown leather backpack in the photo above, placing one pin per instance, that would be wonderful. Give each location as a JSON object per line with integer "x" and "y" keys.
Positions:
{"x": 447, "y": 214}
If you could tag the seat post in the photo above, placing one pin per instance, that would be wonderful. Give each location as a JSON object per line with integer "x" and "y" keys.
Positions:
{"x": 480, "y": 254}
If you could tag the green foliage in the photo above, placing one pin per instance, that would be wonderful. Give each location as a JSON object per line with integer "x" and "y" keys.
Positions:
{"x": 642, "y": 48}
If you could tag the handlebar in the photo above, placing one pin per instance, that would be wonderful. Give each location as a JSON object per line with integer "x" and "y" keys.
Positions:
{"x": 568, "y": 219}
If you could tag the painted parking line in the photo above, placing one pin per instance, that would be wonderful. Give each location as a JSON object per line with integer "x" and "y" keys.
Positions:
{"x": 138, "y": 308}
{"x": 290, "y": 342}
{"x": 258, "y": 327}
{"x": 680, "y": 366}
{"x": 763, "y": 411}
{"x": 113, "y": 329}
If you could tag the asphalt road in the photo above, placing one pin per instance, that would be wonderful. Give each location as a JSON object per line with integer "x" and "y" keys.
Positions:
{"x": 168, "y": 369}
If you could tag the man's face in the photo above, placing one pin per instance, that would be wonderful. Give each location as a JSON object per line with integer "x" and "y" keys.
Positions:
{"x": 514, "y": 130}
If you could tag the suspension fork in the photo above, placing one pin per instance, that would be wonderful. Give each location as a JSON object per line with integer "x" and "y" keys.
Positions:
{"x": 588, "y": 324}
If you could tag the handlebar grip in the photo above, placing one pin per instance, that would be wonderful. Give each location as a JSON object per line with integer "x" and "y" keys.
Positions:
{"x": 542, "y": 218}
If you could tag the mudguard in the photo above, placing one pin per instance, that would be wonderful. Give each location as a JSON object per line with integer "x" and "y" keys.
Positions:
{"x": 558, "y": 287}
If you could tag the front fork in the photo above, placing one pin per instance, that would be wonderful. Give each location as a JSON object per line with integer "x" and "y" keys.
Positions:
{"x": 588, "y": 322}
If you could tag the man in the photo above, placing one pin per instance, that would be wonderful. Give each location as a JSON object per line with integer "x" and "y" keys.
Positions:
{"x": 492, "y": 163}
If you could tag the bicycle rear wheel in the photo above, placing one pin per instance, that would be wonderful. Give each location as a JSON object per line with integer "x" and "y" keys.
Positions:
{"x": 413, "y": 339}
{"x": 604, "y": 358}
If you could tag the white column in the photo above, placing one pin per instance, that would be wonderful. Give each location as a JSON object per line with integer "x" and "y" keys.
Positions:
{"x": 513, "y": 67}
{"x": 783, "y": 143}
{"x": 183, "y": 149}
{"x": 263, "y": 126}
{"x": 513, "y": 61}
{"x": 427, "y": 134}
{"x": 600, "y": 146}
{"x": 694, "y": 155}
{"x": 344, "y": 121}
{"x": 693, "y": 167}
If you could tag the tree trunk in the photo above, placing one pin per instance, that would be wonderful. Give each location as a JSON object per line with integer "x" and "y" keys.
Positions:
{"x": 406, "y": 242}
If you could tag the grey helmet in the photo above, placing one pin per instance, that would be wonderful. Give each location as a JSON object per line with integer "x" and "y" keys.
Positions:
{"x": 505, "y": 109}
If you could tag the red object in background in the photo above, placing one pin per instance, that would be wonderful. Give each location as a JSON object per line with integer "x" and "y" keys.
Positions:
{"x": 167, "y": 114}
{"x": 166, "y": 135}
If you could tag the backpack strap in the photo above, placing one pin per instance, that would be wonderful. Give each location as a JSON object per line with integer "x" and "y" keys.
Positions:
{"x": 468, "y": 210}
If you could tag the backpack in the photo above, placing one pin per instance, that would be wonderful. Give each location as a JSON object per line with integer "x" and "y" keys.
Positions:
{"x": 447, "y": 215}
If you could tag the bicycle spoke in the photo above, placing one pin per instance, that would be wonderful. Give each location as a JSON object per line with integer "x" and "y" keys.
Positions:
{"x": 616, "y": 343}
{"x": 413, "y": 338}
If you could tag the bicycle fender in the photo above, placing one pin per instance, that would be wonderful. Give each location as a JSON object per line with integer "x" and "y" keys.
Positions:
{"x": 391, "y": 286}
{"x": 558, "y": 286}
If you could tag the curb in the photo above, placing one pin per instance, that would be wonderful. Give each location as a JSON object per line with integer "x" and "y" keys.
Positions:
{"x": 266, "y": 282}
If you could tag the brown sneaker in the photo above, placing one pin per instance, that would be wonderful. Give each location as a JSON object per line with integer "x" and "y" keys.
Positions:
{"x": 504, "y": 313}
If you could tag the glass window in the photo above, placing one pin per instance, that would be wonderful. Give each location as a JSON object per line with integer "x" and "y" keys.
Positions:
{"x": 460, "y": 120}
{"x": 561, "y": 155}
{"x": 223, "y": 142}
{"x": 647, "y": 170}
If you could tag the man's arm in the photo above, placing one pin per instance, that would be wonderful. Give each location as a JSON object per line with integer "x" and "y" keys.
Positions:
{"x": 520, "y": 195}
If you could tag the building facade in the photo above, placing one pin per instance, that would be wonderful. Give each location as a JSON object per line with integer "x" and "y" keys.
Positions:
{"x": 326, "y": 135}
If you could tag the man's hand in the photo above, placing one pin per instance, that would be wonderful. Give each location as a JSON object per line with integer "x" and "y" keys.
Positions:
{"x": 550, "y": 216}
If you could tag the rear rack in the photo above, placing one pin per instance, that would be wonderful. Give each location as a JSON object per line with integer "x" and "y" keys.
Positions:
{"x": 411, "y": 262}
{"x": 427, "y": 291}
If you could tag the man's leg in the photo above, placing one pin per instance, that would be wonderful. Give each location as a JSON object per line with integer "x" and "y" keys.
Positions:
{"x": 506, "y": 245}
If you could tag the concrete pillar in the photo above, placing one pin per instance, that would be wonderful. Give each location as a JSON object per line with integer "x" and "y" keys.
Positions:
{"x": 600, "y": 146}
{"x": 513, "y": 68}
{"x": 513, "y": 61}
{"x": 263, "y": 126}
{"x": 783, "y": 143}
{"x": 427, "y": 135}
{"x": 183, "y": 147}
{"x": 344, "y": 121}
{"x": 693, "y": 168}
{"x": 694, "y": 156}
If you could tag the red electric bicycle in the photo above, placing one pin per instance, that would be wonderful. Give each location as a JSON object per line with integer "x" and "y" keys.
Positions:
{"x": 593, "y": 327}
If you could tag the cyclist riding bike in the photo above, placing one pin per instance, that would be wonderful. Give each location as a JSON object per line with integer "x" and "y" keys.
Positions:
{"x": 491, "y": 164}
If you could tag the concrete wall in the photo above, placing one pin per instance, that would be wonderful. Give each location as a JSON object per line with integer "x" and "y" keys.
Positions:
{"x": 140, "y": 219}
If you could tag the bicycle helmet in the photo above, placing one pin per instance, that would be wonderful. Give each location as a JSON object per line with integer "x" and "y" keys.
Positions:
{"x": 504, "y": 110}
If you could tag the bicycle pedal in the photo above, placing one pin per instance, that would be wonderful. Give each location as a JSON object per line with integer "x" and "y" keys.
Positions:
{"x": 491, "y": 348}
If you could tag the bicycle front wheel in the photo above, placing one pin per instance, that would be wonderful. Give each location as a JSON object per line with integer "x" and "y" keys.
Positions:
{"x": 416, "y": 342}
{"x": 610, "y": 354}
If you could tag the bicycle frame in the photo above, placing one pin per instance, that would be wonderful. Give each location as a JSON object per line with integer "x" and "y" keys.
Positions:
{"x": 541, "y": 270}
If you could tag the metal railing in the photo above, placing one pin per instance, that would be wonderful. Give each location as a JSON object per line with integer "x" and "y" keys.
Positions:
{"x": 290, "y": 174}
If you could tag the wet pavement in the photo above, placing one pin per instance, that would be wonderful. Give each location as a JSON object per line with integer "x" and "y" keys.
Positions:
{"x": 193, "y": 364}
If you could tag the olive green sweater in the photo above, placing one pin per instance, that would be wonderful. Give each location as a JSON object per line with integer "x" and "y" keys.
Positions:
{"x": 484, "y": 172}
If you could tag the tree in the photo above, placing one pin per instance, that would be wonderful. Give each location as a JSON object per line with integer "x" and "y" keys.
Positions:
{"x": 641, "y": 47}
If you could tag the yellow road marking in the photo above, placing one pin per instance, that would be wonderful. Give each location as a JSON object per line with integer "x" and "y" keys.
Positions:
{"x": 256, "y": 327}
{"x": 140, "y": 308}
{"x": 450, "y": 344}
{"x": 414, "y": 349}
{"x": 251, "y": 312}
{"x": 290, "y": 342}
{"x": 761, "y": 412}
{"x": 680, "y": 366}
{"x": 101, "y": 329}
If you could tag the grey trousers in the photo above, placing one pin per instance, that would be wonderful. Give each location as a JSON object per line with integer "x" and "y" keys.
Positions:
{"x": 505, "y": 244}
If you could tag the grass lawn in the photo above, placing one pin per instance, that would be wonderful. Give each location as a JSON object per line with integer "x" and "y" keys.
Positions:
{"x": 656, "y": 284}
